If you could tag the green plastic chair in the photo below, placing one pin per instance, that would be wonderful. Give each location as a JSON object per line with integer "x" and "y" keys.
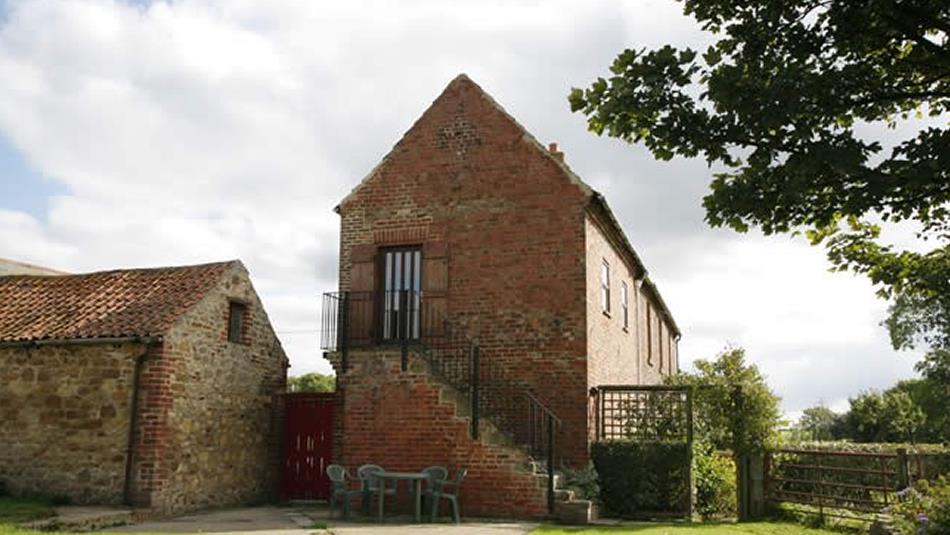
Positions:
{"x": 340, "y": 489}
{"x": 436, "y": 475}
{"x": 439, "y": 492}
{"x": 370, "y": 486}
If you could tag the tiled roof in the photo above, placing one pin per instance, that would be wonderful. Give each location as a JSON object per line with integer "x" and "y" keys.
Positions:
{"x": 106, "y": 304}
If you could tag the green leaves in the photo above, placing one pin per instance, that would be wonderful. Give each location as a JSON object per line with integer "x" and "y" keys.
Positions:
{"x": 312, "y": 382}
{"x": 735, "y": 408}
{"x": 777, "y": 101}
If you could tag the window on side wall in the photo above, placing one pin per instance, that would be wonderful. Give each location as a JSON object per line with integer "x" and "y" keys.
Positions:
{"x": 236, "y": 324}
{"x": 624, "y": 304}
{"x": 649, "y": 335}
{"x": 605, "y": 287}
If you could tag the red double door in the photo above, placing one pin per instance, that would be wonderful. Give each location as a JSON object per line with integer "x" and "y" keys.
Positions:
{"x": 308, "y": 446}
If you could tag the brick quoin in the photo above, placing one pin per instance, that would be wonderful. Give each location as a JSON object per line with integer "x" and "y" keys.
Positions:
{"x": 512, "y": 242}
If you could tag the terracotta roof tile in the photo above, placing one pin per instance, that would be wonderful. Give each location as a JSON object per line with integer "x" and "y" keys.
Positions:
{"x": 128, "y": 302}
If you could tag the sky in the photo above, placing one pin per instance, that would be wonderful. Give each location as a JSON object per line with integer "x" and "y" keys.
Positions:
{"x": 138, "y": 134}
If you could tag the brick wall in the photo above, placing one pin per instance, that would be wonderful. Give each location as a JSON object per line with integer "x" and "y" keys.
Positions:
{"x": 505, "y": 224}
{"x": 389, "y": 421}
{"x": 64, "y": 420}
{"x": 210, "y": 434}
{"x": 645, "y": 351}
{"x": 614, "y": 356}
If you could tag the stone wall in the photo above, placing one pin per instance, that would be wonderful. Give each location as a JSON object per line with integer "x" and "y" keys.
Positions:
{"x": 501, "y": 224}
{"x": 64, "y": 420}
{"x": 216, "y": 440}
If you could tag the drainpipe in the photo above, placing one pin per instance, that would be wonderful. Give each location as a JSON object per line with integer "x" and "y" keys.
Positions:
{"x": 134, "y": 420}
{"x": 637, "y": 284}
{"x": 148, "y": 341}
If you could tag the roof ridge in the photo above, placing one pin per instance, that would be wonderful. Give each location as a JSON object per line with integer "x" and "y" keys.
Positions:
{"x": 127, "y": 270}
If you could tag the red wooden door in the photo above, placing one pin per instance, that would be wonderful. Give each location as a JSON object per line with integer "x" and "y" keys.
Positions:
{"x": 308, "y": 445}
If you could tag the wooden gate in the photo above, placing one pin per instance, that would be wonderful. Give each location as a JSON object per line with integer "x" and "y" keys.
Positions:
{"x": 308, "y": 445}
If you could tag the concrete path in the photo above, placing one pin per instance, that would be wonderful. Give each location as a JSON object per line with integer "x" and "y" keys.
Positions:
{"x": 308, "y": 519}
{"x": 466, "y": 528}
{"x": 265, "y": 519}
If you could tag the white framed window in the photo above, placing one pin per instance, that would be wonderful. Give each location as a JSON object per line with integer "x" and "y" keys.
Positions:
{"x": 625, "y": 304}
{"x": 605, "y": 287}
{"x": 649, "y": 335}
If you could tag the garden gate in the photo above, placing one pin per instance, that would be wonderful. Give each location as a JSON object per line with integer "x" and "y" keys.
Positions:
{"x": 308, "y": 445}
{"x": 645, "y": 430}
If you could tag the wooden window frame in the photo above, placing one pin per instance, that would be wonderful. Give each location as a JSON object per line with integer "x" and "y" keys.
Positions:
{"x": 385, "y": 331}
{"x": 237, "y": 322}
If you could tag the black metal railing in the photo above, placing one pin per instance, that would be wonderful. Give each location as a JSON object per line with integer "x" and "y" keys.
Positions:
{"x": 354, "y": 319}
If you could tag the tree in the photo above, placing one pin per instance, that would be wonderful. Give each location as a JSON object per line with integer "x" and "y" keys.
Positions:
{"x": 933, "y": 400}
{"x": 891, "y": 416}
{"x": 775, "y": 105}
{"x": 311, "y": 382}
{"x": 735, "y": 409}
{"x": 818, "y": 422}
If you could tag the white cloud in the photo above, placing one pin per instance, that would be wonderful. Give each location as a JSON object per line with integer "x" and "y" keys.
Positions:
{"x": 201, "y": 130}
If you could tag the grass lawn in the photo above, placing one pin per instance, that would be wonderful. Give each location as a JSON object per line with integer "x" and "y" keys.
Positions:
{"x": 14, "y": 511}
{"x": 751, "y": 528}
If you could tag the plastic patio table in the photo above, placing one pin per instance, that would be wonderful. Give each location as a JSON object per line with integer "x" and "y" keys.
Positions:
{"x": 415, "y": 478}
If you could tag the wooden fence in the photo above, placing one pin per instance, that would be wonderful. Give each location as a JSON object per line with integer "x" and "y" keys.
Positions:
{"x": 849, "y": 485}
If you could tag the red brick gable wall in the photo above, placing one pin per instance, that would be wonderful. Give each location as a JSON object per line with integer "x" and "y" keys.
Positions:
{"x": 502, "y": 230}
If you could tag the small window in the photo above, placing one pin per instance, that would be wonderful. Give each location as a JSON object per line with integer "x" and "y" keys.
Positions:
{"x": 605, "y": 287}
{"x": 624, "y": 305}
{"x": 649, "y": 336}
{"x": 236, "y": 322}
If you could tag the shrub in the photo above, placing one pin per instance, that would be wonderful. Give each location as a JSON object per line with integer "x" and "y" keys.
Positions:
{"x": 925, "y": 500}
{"x": 640, "y": 479}
{"x": 715, "y": 477}
{"x": 583, "y": 481}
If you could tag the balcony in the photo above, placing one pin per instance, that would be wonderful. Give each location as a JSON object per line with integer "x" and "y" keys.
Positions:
{"x": 363, "y": 319}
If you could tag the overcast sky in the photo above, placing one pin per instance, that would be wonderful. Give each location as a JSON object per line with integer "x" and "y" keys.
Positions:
{"x": 140, "y": 134}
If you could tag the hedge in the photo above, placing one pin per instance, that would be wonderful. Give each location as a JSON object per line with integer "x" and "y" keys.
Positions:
{"x": 642, "y": 479}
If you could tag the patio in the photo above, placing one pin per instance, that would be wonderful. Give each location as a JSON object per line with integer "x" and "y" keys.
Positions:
{"x": 374, "y": 483}
{"x": 309, "y": 518}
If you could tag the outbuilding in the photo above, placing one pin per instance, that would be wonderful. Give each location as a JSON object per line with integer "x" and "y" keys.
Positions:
{"x": 157, "y": 388}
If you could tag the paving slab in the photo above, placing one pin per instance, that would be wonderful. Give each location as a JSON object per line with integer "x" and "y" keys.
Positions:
{"x": 264, "y": 519}
{"x": 82, "y": 518}
{"x": 465, "y": 528}
{"x": 302, "y": 519}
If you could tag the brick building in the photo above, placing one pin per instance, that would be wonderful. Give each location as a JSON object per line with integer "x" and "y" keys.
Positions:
{"x": 156, "y": 388}
{"x": 470, "y": 234}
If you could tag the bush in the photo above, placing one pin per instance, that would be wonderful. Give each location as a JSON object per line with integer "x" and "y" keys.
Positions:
{"x": 583, "y": 482}
{"x": 715, "y": 477}
{"x": 928, "y": 501}
{"x": 642, "y": 479}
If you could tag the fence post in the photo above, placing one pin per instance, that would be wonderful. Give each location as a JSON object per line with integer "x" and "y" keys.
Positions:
{"x": 903, "y": 470}
{"x": 821, "y": 491}
{"x": 756, "y": 486}
{"x": 689, "y": 453}
{"x": 742, "y": 486}
{"x": 475, "y": 371}
{"x": 550, "y": 423}
{"x": 742, "y": 469}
